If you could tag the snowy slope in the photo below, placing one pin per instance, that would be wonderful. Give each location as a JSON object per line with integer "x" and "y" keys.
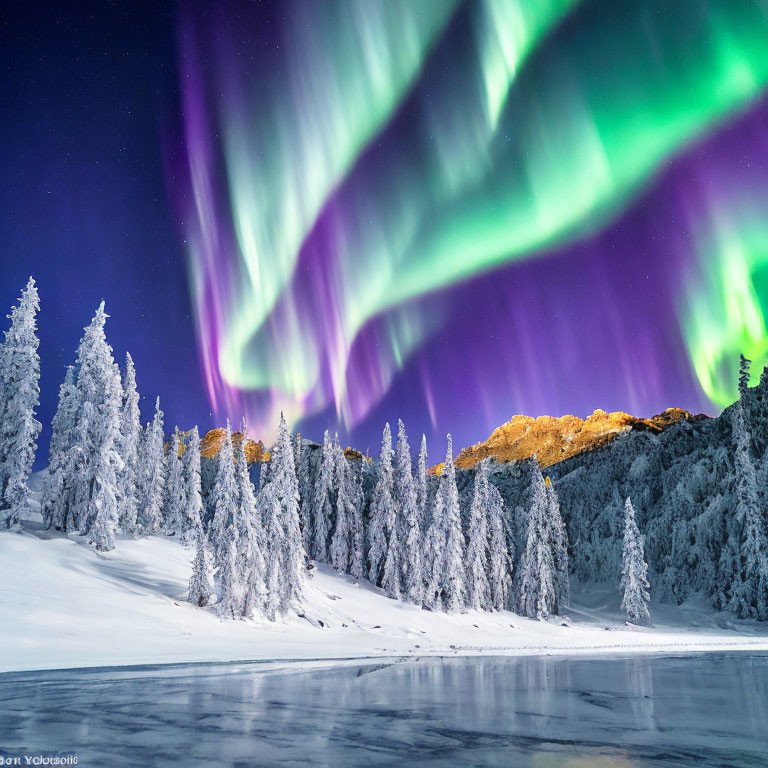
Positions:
{"x": 64, "y": 605}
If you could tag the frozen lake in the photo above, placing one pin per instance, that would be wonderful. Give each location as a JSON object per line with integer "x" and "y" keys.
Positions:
{"x": 703, "y": 710}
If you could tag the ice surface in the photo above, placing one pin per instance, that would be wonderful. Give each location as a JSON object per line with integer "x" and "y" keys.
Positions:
{"x": 537, "y": 712}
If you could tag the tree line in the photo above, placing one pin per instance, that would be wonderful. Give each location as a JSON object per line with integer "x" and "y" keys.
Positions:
{"x": 389, "y": 522}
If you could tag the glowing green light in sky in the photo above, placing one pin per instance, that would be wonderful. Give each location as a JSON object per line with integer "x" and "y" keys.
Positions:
{"x": 539, "y": 128}
{"x": 724, "y": 312}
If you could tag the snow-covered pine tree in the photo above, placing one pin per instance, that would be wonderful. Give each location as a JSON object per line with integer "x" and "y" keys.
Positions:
{"x": 384, "y": 550}
{"x": 323, "y": 502}
{"x": 434, "y": 551}
{"x": 105, "y": 465}
{"x": 223, "y": 534}
{"x": 250, "y": 538}
{"x": 634, "y": 571}
{"x": 270, "y": 510}
{"x": 352, "y": 482}
{"x": 559, "y": 549}
{"x": 749, "y": 593}
{"x": 141, "y": 474}
{"x": 478, "y": 546}
{"x": 297, "y": 451}
{"x": 193, "y": 493}
{"x": 376, "y": 537}
{"x": 82, "y": 450}
{"x": 340, "y": 546}
{"x": 19, "y": 397}
{"x": 444, "y": 582}
{"x": 453, "y": 586}
{"x": 347, "y": 541}
{"x": 56, "y": 503}
{"x": 175, "y": 497}
{"x": 201, "y": 580}
{"x": 306, "y": 491}
{"x": 409, "y": 519}
{"x": 152, "y": 475}
{"x": 96, "y": 436}
{"x": 537, "y": 591}
{"x": 229, "y": 588}
{"x": 744, "y": 375}
{"x": 421, "y": 482}
{"x": 130, "y": 441}
{"x": 292, "y": 557}
{"x": 224, "y": 499}
{"x": 499, "y": 555}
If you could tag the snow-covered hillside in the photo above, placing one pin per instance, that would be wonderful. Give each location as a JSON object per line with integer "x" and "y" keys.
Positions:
{"x": 66, "y": 605}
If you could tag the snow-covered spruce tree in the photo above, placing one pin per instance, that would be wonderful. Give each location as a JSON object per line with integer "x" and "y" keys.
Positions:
{"x": 287, "y": 563}
{"x": 478, "y": 588}
{"x": 224, "y": 498}
{"x": 130, "y": 441}
{"x": 434, "y": 552}
{"x": 537, "y": 590}
{"x": 102, "y": 507}
{"x": 297, "y": 451}
{"x": 323, "y": 502}
{"x": 347, "y": 541}
{"x": 384, "y": 550}
{"x": 223, "y": 534}
{"x": 453, "y": 586}
{"x": 96, "y": 436}
{"x": 175, "y": 497}
{"x": 421, "y": 482}
{"x": 376, "y": 543}
{"x": 749, "y": 593}
{"x": 634, "y": 571}
{"x": 19, "y": 397}
{"x": 499, "y": 555}
{"x": 229, "y": 588}
{"x": 201, "y": 580}
{"x": 145, "y": 438}
{"x": 444, "y": 582}
{"x": 56, "y": 503}
{"x": 152, "y": 474}
{"x": 193, "y": 493}
{"x": 409, "y": 519}
{"x": 270, "y": 511}
{"x": 306, "y": 491}
{"x": 339, "y": 549}
{"x": 353, "y": 495}
{"x": 559, "y": 548}
{"x": 250, "y": 538}
{"x": 744, "y": 375}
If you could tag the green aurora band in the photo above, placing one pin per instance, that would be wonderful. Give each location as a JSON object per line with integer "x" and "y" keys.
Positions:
{"x": 724, "y": 314}
{"x": 540, "y": 131}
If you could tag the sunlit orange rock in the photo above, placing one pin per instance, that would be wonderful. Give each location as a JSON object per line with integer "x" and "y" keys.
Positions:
{"x": 554, "y": 439}
{"x": 211, "y": 444}
{"x": 351, "y": 453}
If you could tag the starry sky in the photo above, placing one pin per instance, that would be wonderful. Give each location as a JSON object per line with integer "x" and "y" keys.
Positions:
{"x": 445, "y": 211}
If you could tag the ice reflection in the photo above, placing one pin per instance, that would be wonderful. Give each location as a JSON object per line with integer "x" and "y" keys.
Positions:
{"x": 632, "y": 712}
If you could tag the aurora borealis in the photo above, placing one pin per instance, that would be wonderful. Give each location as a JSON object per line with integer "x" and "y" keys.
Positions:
{"x": 353, "y": 186}
{"x": 358, "y": 210}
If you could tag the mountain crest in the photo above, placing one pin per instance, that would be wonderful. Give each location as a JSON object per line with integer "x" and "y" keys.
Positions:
{"x": 553, "y": 439}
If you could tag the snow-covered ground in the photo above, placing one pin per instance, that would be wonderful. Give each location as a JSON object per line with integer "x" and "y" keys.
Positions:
{"x": 65, "y": 605}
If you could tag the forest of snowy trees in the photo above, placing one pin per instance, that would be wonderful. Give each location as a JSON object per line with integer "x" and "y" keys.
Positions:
{"x": 668, "y": 515}
{"x": 386, "y": 521}
{"x": 699, "y": 492}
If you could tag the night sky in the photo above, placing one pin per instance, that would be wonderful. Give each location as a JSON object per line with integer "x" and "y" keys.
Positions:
{"x": 359, "y": 211}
